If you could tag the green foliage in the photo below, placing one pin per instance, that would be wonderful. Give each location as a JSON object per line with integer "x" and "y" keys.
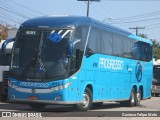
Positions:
{"x": 143, "y": 35}
{"x": 156, "y": 52}
{"x": 3, "y": 32}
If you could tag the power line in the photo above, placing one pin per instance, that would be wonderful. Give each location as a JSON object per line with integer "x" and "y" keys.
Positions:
{"x": 10, "y": 6}
{"x": 137, "y": 16}
{"x": 136, "y": 21}
{"x": 14, "y": 13}
{"x": 116, "y": 14}
{"x": 97, "y": 12}
{"x": 153, "y": 25}
{"x": 9, "y": 16}
{"x": 105, "y": 9}
{"x": 22, "y": 6}
{"x": 10, "y": 19}
{"x": 112, "y": 10}
{"x": 6, "y": 23}
{"x": 88, "y": 4}
{"x": 153, "y": 28}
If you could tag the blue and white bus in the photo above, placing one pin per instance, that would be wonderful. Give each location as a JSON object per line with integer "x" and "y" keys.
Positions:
{"x": 78, "y": 61}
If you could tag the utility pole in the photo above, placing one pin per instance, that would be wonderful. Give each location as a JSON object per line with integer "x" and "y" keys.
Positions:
{"x": 88, "y": 4}
{"x": 137, "y": 28}
{"x": 88, "y": 8}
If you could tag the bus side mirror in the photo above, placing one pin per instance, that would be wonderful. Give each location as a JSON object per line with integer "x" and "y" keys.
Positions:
{"x": 70, "y": 47}
{"x": 89, "y": 52}
{"x": 4, "y": 45}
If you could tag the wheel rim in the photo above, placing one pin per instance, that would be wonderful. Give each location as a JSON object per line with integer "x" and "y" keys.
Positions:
{"x": 133, "y": 98}
{"x": 138, "y": 97}
{"x": 86, "y": 100}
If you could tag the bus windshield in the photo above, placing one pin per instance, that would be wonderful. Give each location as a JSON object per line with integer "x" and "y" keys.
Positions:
{"x": 40, "y": 55}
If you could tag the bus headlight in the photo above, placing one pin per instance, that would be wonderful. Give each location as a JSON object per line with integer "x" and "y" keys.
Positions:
{"x": 61, "y": 87}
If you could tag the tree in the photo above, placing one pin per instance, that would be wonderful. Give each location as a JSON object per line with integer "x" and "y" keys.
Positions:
{"x": 3, "y": 32}
{"x": 156, "y": 53}
{"x": 143, "y": 35}
{"x": 156, "y": 49}
{"x": 155, "y": 43}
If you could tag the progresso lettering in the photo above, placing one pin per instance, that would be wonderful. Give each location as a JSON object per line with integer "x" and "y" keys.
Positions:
{"x": 107, "y": 63}
{"x": 34, "y": 85}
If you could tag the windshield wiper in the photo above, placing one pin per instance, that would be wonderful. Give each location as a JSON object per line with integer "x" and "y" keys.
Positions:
{"x": 40, "y": 66}
{"x": 35, "y": 61}
{"x": 39, "y": 62}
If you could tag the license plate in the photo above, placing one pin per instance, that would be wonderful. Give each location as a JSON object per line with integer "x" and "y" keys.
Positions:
{"x": 33, "y": 98}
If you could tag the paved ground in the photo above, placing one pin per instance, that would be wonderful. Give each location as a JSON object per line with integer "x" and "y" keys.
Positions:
{"x": 148, "y": 107}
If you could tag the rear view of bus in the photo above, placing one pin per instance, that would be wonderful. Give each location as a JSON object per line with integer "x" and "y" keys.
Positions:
{"x": 78, "y": 61}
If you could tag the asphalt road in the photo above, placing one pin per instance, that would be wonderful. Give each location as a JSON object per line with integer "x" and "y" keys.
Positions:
{"x": 148, "y": 109}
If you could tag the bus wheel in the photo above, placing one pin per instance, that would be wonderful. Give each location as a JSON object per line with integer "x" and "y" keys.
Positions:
{"x": 37, "y": 106}
{"x": 138, "y": 97}
{"x": 87, "y": 101}
{"x": 132, "y": 100}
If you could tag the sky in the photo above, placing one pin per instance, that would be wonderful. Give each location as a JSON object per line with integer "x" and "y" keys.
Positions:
{"x": 124, "y": 14}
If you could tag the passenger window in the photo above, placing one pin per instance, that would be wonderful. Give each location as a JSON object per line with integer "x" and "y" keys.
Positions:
{"x": 95, "y": 41}
{"x": 118, "y": 45}
{"x": 142, "y": 51}
{"x": 107, "y": 43}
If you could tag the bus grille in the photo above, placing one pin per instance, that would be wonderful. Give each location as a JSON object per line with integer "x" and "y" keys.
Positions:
{"x": 5, "y": 76}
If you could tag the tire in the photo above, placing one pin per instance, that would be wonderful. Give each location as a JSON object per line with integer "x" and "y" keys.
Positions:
{"x": 87, "y": 101}
{"x": 36, "y": 106}
{"x": 132, "y": 100}
{"x": 138, "y": 97}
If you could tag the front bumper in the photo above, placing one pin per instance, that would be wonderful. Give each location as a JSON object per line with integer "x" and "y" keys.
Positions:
{"x": 43, "y": 101}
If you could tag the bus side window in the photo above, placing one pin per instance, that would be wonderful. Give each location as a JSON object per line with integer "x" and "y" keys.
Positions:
{"x": 142, "y": 51}
{"x": 118, "y": 45}
{"x": 107, "y": 43}
{"x": 95, "y": 40}
{"x": 136, "y": 50}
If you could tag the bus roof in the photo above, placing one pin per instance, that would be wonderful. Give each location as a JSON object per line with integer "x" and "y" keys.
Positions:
{"x": 71, "y": 21}
{"x": 64, "y": 21}
{"x": 55, "y": 21}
